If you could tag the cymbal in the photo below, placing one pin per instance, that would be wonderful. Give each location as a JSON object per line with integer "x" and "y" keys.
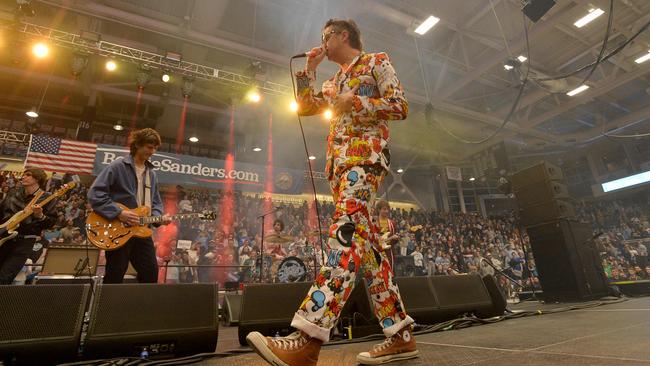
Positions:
{"x": 278, "y": 239}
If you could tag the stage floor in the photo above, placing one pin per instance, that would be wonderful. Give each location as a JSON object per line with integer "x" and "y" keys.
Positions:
{"x": 613, "y": 334}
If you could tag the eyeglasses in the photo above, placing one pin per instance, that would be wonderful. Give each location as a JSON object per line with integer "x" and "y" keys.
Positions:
{"x": 326, "y": 36}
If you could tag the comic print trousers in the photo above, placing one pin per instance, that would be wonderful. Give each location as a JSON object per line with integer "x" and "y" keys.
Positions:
{"x": 351, "y": 249}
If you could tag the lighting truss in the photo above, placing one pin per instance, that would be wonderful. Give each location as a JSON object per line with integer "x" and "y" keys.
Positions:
{"x": 153, "y": 60}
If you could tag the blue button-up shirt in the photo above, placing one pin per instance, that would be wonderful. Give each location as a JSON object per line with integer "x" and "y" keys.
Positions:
{"x": 118, "y": 183}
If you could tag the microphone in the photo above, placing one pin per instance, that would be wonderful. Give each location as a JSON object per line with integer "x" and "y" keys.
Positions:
{"x": 304, "y": 54}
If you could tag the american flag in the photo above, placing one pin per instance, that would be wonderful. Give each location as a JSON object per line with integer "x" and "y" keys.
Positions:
{"x": 64, "y": 156}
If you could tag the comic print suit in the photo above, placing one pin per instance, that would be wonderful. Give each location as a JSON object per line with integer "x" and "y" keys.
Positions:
{"x": 357, "y": 161}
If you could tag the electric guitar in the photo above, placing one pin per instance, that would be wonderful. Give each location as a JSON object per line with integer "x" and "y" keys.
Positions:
{"x": 113, "y": 234}
{"x": 8, "y": 228}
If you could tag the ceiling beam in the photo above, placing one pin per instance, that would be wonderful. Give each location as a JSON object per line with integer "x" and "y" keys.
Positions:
{"x": 498, "y": 57}
{"x": 601, "y": 88}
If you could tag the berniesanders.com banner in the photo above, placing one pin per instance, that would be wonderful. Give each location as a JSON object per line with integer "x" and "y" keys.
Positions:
{"x": 207, "y": 173}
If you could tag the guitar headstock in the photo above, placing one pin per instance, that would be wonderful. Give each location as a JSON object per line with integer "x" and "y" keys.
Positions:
{"x": 208, "y": 215}
{"x": 64, "y": 189}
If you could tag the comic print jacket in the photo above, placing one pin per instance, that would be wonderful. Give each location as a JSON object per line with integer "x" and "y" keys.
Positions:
{"x": 361, "y": 136}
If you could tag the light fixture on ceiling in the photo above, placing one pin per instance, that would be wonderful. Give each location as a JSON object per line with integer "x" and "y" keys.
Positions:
{"x": 471, "y": 179}
{"x": 426, "y": 25}
{"x": 257, "y": 149}
{"x": 312, "y": 157}
{"x": 118, "y": 126}
{"x": 111, "y": 65}
{"x": 32, "y": 113}
{"x": 193, "y": 139}
{"x": 40, "y": 50}
{"x": 593, "y": 14}
{"x": 522, "y": 58}
{"x": 643, "y": 58}
{"x": 254, "y": 96}
{"x": 578, "y": 90}
{"x": 400, "y": 171}
{"x": 165, "y": 77}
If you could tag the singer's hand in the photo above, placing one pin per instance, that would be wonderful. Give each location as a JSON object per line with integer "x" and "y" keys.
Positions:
{"x": 343, "y": 103}
{"x": 314, "y": 57}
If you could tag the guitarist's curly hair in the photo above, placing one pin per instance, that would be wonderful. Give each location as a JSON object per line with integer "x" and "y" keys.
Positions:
{"x": 142, "y": 137}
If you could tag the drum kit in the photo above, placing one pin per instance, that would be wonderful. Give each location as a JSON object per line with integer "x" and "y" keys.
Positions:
{"x": 278, "y": 268}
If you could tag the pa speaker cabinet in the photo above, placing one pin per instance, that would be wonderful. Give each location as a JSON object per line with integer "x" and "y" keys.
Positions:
{"x": 540, "y": 172}
{"x": 567, "y": 261}
{"x": 269, "y": 308}
{"x": 169, "y": 320}
{"x": 41, "y": 324}
{"x": 551, "y": 210}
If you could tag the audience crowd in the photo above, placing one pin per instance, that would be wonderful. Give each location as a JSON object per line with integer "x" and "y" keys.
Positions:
{"x": 431, "y": 243}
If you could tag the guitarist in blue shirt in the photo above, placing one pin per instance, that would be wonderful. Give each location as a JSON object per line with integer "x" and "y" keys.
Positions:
{"x": 124, "y": 181}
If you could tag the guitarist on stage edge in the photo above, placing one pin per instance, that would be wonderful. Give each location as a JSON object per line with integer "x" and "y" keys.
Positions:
{"x": 124, "y": 181}
{"x": 14, "y": 252}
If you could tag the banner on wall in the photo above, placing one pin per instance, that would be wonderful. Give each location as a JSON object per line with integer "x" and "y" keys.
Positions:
{"x": 454, "y": 173}
{"x": 196, "y": 171}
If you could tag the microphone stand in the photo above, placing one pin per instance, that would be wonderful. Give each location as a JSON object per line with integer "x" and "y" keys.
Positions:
{"x": 261, "y": 256}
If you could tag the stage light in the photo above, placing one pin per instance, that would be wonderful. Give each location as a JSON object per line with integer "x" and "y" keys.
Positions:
{"x": 522, "y": 58}
{"x": 254, "y": 97}
{"x": 328, "y": 114}
{"x": 111, "y": 65}
{"x": 40, "y": 50}
{"x": 193, "y": 139}
{"x": 118, "y": 126}
{"x": 312, "y": 157}
{"x": 188, "y": 86}
{"x": 426, "y": 25}
{"x": 578, "y": 90}
{"x": 293, "y": 106}
{"x": 32, "y": 113}
{"x": 593, "y": 14}
{"x": 165, "y": 78}
{"x": 257, "y": 149}
{"x": 471, "y": 179}
{"x": 400, "y": 171}
{"x": 643, "y": 58}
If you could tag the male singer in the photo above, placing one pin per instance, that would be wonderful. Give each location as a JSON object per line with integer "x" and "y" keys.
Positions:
{"x": 363, "y": 95}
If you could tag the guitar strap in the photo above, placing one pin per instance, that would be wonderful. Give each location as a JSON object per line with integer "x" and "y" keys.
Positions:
{"x": 147, "y": 188}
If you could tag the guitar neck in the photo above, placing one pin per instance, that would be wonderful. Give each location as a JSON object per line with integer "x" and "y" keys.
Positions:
{"x": 157, "y": 219}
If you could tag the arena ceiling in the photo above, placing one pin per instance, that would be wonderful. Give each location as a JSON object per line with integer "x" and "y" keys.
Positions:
{"x": 457, "y": 67}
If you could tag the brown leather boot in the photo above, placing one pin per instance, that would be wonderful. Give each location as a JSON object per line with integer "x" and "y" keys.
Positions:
{"x": 296, "y": 349}
{"x": 401, "y": 346}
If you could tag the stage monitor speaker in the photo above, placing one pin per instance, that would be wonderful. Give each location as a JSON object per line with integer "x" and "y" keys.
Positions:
{"x": 535, "y": 9}
{"x": 269, "y": 308}
{"x": 429, "y": 300}
{"x": 567, "y": 261}
{"x": 41, "y": 324}
{"x": 232, "y": 308}
{"x": 435, "y": 299}
{"x": 168, "y": 320}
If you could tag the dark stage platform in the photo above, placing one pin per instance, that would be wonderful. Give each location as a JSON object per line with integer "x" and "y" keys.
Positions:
{"x": 613, "y": 334}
